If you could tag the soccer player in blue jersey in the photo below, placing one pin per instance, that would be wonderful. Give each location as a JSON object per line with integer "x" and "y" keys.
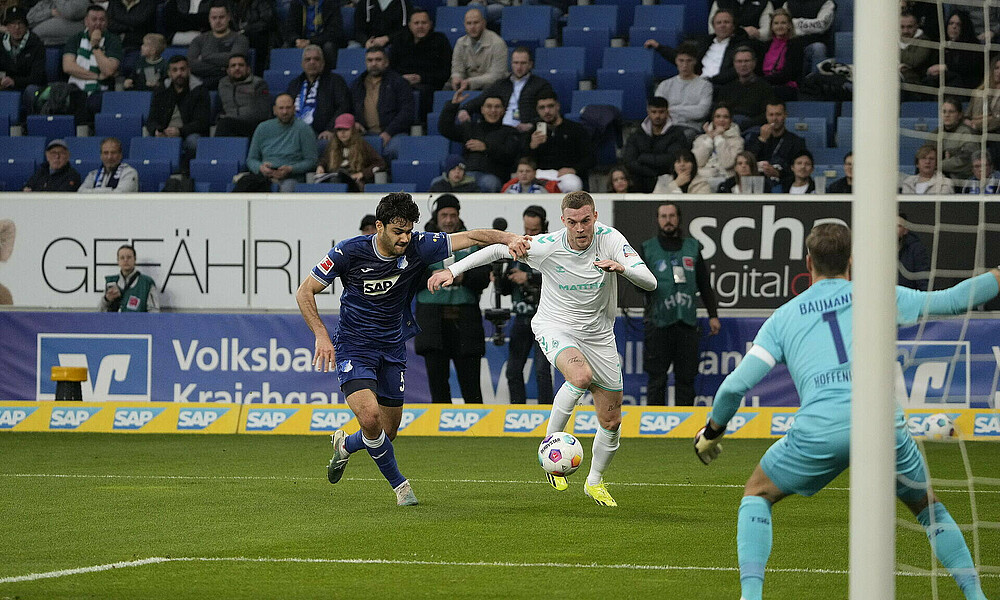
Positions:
{"x": 811, "y": 334}
{"x": 380, "y": 274}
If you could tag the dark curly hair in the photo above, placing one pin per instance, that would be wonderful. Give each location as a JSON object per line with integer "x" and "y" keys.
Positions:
{"x": 397, "y": 207}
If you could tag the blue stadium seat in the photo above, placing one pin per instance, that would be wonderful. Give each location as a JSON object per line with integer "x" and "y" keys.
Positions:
{"x": 845, "y": 132}
{"x": 450, "y": 20}
{"x": 52, "y": 126}
{"x": 347, "y": 13}
{"x": 526, "y": 25}
{"x": 277, "y": 81}
{"x": 443, "y": 97}
{"x": 628, "y": 59}
{"x": 388, "y": 188}
{"x": 321, "y": 188}
{"x": 846, "y": 109}
{"x": 844, "y": 17}
{"x": 349, "y": 58}
{"x": 563, "y": 58}
{"x": 843, "y": 44}
{"x": 829, "y": 156}
{"x": 583, "y": 98}
{"x": 810, "y": 129}
{"x": 375, "y": 141}
{"x": 423, "y": 148}
{"x": 53, "y": 63}
{"x": 814, "y": 108}
{"x": 926, "y": 110}
{"x": 633, "y": 106}
{"x": 173, "y": 51}
{"x": 84, "y": 151}
{"x": 595, "y": 17}
{"x": 216, "y": 172}
{"x": 127, "y": 103}
{"x": 286, "y": 59}
{"x": 696, "y": 14}
{"x": 626, "y": 11}
{"x": 156, "y": 148}
{"x": 14, "y": 173}
{"x": 908, "y": 147}
{"x": 593, "y": 41}
{"x": 152, "y": 173}
{"x": 10, "y": 110}
{"x": 660, "y": 16}
{"x": 918, "y": 124}
{"x": 564, "y": 83}
{"x": 123, "y": 127}
{"x": 22, "y": 148}
{"x": 224, "y": 149}
{"x": 831, "y": 171}
{"x": 349, "y": 75}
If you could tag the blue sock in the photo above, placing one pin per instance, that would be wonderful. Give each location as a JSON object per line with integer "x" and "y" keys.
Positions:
{"x": 949, "y": 547}
{"x": 353, "y": 442}
{"x": 383, "y": 455}
{"x": 753, "y": 544}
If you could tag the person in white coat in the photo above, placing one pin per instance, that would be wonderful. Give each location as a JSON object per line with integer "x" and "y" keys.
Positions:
{"x": 716, "y": 149}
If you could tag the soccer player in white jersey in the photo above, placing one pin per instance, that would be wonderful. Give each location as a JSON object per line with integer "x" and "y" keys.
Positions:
{"x": 575, "y": 321}
{"x": 811, "y": 334}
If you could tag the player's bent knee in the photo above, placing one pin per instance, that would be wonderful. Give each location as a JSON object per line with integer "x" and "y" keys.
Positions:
{"x": 581, "y": 377}
{"x": 371, "y": 425}
{"x": 611, "y": 422}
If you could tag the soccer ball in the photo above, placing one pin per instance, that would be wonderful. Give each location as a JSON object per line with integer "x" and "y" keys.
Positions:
{"x": 560, "y": 454}
{"x": 939, "y": 427}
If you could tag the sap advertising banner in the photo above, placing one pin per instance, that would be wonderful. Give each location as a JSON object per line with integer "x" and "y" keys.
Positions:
{"x": 214, "y": 252}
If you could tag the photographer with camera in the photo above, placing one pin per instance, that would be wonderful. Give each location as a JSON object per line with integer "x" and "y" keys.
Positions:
{"x": 451, "y": 323}
{"x": 524, "y": 285}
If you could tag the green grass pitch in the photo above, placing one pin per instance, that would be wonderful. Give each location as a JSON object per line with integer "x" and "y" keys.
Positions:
{"x": 487, "y": 525}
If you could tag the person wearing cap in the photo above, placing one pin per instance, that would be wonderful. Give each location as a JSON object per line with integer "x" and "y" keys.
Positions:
{"x": 451, "y": 323}
{"x": 349, "y": 157}
{"x": 454, "y": 178}
{"x": 320, "y": 94}
{"x": 368, "y": 225}
{"x": 244, "y": 97}
{"x": 22, "y": 54}
{"x": 489, "y": 148}
{"x": 524, "y": 285}
{"x": 55, "y": 174}
{"x": 113, "y": 175}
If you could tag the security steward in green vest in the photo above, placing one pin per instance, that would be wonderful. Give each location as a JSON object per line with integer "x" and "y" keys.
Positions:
{"x": 671, "y": 316}
{"x": 451, "y": 322}
{"x": 129, "y": 290}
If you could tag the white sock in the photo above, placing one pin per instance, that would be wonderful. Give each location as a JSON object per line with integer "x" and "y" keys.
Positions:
{"x": 605, "y": 446}
{"x": 376, "y": 442}
{"x": 562, "y": 407}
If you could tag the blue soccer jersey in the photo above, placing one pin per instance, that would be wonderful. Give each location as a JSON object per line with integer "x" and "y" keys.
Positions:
{"x": 378, "y": 290}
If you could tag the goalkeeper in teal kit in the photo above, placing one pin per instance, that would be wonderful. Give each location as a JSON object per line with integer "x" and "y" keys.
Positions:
{"x": 811, "y": 334}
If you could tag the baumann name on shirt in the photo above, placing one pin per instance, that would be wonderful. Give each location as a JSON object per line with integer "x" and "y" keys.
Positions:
{"x": 824, "y": 304}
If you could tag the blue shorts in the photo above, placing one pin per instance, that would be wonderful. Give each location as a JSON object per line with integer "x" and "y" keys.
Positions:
{"x": 385, "y": 366}
{"x": 804, "y": 466}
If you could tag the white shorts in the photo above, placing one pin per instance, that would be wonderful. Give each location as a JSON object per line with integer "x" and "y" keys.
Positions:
{"x": 600, "y": 353}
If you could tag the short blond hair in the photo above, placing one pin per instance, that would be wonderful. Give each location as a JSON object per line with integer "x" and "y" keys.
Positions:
{"x": 577, "y": 199}
{"x": 157, "y": 40}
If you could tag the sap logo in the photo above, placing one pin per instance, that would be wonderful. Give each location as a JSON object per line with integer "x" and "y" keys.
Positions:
{"x": 409, "y": 416}
{"x": 461, "y": 420}
{"x": 118, "y": 365}
{"x": 134, "y": 418}
{"x": 523, "y": 421}
{"x": 189, "y": 419}
{"x": 268, "y": 420}
{"x": 659, "y": 423}
{"x": 915, "y": 423}
{"x": 586, "y": 422}
{"x": 987, "y": 424}
{"x": 12, "y": 417}
{"x": 738, "y": 422}
{"x": 329, "y": 419}
{"x": 780, "y": 424}
{"x": 379, "y": 287}
{"x": 71, "y": 418}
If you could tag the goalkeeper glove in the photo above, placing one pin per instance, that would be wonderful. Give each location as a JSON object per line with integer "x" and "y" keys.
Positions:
{"x": 706, "y": 443}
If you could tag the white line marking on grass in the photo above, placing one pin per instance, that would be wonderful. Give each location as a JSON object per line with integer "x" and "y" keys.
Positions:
{"x": 432, "y": 563}
{"x": 486, "y": 481}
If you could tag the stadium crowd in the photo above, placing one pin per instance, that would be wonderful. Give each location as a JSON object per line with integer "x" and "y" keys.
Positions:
{"x": 746, "y": 96}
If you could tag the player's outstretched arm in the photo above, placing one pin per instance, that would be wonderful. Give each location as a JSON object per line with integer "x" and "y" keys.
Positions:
{"x": 324, "y": 358}
{"x": 516, "y": 244}
{"x": 445, "y": 277}
{"x": 955, "y": 300}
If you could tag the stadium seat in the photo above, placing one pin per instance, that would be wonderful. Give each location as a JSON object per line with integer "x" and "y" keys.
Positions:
{"x": 564, "y": 83}
{"x": 657, "y": 19}
{"x": 286, "y": 59}
{"x": 423, "y": 148}
{"x": 595, "y": 17}
{"x": 662, "y": 68}
{"x": 843, "y": 44}
{"x": 349, "y": 75}
{"x": 809, "y": 108}
{"x": 829, "y": 156}
{"x": 53, "y": 64}
{"x": 277, "y": 81}
{"x": 22, "y": 148}
{"x": 450, "y": 20}
{"x": 348, "y": 58}
{"x": 152, "y": 173}
{"x": 593, "y": 41}
{"x": 127, "y": 103}
{"x": 844, "y": 17}
{"x": 217, "y": 173}
{"x": 696, "y": 14}
{"x": 633, "y": 106}
{"x": 347, "y": 13}
{"x": 626, "y": 12}
{"x": 443, "y": 97}
{"x": 845, "y": 132}
{"x": 918, "y": 124}
{"x": 846, "y": 109}
{"x": 926, "y": 110}
{"x": 156, "y": 148}
{"x": 908, "y": 147}
{"x": 10, "y": 110}
{"x": 173, "y": 51}
{"x": 52, "y": 126}
{"x": 562, "y": 58}
{"x": 810, "y": 129}
{"x": 84, "y": 151}
{"x": 224, "y": 148}
{"x": 583, "y": 98}
{"x": 831, "y": 171}
{"x": 321, "y": 188}
{"x": 124, "y": 127}
{"x": 526, "y": 25}
{"x": 388, "y": 188}
{"x": 375, "y": 141}
{"x": 14, "y": 173}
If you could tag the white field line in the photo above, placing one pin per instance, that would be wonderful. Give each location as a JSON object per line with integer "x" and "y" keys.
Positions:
{"x": 430, "y": 563}
{"x": 485, "y": 481}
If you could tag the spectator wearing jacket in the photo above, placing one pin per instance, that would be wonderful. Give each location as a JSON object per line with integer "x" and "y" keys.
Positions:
{"x": 715, "y": 51}
{"x": 650, "y": 151}
{"x": 422, "y": 56}
{"x": 489, "y": 148}
{"x": 57, "y": 22}
{"x": 519, "y": 93}
{"x": 479, "y": 57}
{"x": 184, "y": 20}
{"x": 752, "y": 16}
{"x": 257, "y": 21}
{"x": 132, "y": 20}
{"x": 454, "y": 178}
{"x": 747, "y": 95}
{"x": 562, "y": 148}
{"x": 774, "y": 146}
{"x": 813, "y": 21}
{"x": 383, "y": 101}
{"x": 318, "y": 23}
{"x": 245, "y": 100}
{"x": 783, "y": 56}
{"x": 376, "y": 22}
{"x": 55, "y": 174}
{"x": 716, "y": 149}
{"x": 180, "y": 111}
{"x": 209, "y": 52}
{"x": 320, "y": 95}
{"x": 525, "y": 180}
{"x": 113, "y": 176}
{"x": 91, "y": 59}
{"x": 22, "y": 57}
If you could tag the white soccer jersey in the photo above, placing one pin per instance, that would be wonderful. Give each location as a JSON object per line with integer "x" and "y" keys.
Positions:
{"x": 575, "y": 293}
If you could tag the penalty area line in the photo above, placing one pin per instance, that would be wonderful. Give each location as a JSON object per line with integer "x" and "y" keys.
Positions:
{"x": 430, "y": 563}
